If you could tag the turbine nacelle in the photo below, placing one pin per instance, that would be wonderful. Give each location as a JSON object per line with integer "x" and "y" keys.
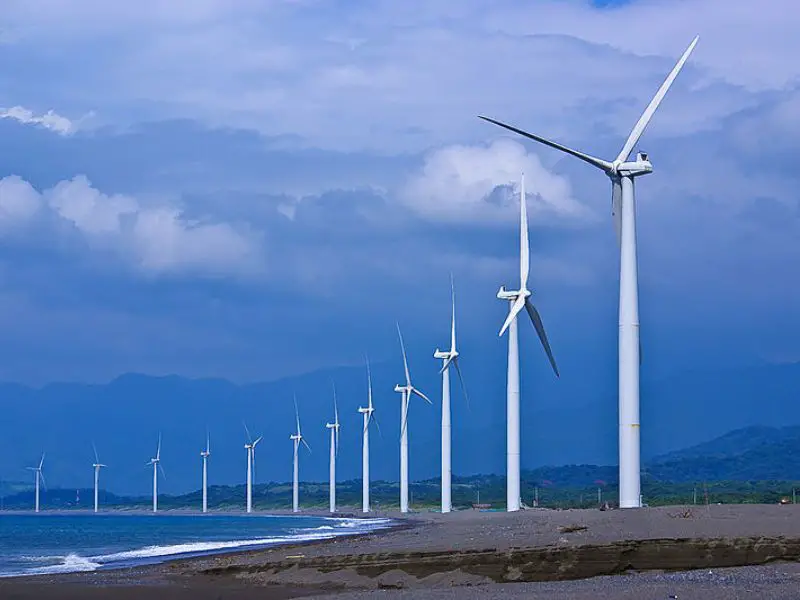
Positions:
{"x": 640, "y": 166}
{"x": 332, "y": 425}
{"x": 368, "y": 410}
{"x": 445, "y": 354}
{"x": 296, "y": 437}
{"x": 505, "y": 294}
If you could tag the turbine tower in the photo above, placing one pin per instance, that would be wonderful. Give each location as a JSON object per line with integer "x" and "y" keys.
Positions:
{"x": 156, "y": 462}
{"x": 38, "y": 476}
{"x": 450, "y": 358}
{"x": 334, "y": 427}
{"x": 518, "y": 299}
{"x": 97, "y": 466}
{"x": 297, "y": 438}
{"x": 623, "y": 208}
{"x": 406, "y": 392}
{"x": 250, "y": 446}
{"x": 368, "y": 417}
{"x": 205, "y": 454}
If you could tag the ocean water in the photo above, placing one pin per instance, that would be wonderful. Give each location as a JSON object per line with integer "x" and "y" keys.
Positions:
{"x": 33, "y": 544}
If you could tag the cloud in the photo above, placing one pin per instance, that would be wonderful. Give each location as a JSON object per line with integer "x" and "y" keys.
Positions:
{"x": 155, "y": 240}
{"x": 49, "y": 120}
{"x": 480, "y": 184}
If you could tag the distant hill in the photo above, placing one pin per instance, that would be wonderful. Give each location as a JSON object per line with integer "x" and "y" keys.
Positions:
{"x": 566, "y": 421}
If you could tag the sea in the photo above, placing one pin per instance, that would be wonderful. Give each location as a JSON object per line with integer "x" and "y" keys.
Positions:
{"x": 32, "y": 544}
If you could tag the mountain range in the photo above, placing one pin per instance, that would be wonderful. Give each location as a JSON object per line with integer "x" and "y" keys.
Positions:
{"x": 563, "y": 423}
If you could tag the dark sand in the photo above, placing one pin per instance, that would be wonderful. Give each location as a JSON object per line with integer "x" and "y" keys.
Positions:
{"x": 640, "y": 554}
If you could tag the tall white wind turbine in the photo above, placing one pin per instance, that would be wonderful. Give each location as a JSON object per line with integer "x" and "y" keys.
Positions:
{"x": 156, "y": 463}
{"x": 518, "y": 299}
{"x": 205, "y": 454}
{"x": 450, "y": 357}
{"x": 297, "y": 438}
{"x": 96, "y": 466}
{"x": 250, "y": 446}
{"x": 368, "y": 414}
{"x": 334, "y": 427}
{"x": 406, "y": 392}
{"x": 38, "y": 476}
{"x": 623, "y": 208}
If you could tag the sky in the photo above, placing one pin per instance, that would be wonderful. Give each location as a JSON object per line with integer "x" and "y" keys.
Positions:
{"x": 257, "y": 189}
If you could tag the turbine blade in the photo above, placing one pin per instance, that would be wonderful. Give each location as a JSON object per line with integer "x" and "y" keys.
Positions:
{"x": 453, "y": 320}
{"x": 335, "y": 407}
{"x": 158, "y": 450}
{"x": 305, "y": 443}
{"x": 96, "y": 459}
{"x": 405, "y": 360}
{"x": 537, "y": 324}
{"x": 258, "y": 439}
{"x": 524, "y": 244}
{"x": 616, "y": 206}
{"x": 41, "y": 476}
{"x": 247, "y": 432}
{"x": 41, "y": 462}
{"x": 336, "y": 435}
{"x": 208, "y": 442}
{"x": 163, "y": 474}
{"x": 446, "y": 364}
{"x": 641, "y": 124}
{"x": 378, "y": 425}
{"x": 369, "y": 383}
{"x": 461, "y": 380}
{"x": 512, "y": 314}
{"x": 416, "y": 392}
{"x": 595, "y": 162}
{"x": 404, "y": 424}
{"x": 296, "y": 414}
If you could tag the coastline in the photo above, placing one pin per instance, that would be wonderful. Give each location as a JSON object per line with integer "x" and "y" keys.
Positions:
{"x": 484, "y": 552}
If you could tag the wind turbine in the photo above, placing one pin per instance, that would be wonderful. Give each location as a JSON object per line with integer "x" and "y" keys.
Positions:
{"x": 250, "y": 446}
{"x": 38, "y": 476}
{"x": 156, "y": 462}
{"x": 334, "y": 427}
{"x": 368, "y": 417}
{"x": 623, "y": 208}
{"x": 205, "y": 454}
{"x": 450, "y": 358}
{"x": 407, "y": 391}
{"x": 296, "y": 439}
{"x": 97, "y": 466}
{"x": 518, "y": 300}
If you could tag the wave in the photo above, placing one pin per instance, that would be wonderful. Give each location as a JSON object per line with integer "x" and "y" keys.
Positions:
{"x": 72, "y": 562}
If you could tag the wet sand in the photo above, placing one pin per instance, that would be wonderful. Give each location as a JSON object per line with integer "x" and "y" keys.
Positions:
{"x": 533, "y": 554}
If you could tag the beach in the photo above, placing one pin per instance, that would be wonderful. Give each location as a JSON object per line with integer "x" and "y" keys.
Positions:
{"x": 683, "y": 551}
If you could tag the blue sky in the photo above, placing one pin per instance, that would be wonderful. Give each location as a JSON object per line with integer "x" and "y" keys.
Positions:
{"x": 257, "y": 189}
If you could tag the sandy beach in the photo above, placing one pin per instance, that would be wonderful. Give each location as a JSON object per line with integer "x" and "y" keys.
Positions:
{"x": 684, "y": 552}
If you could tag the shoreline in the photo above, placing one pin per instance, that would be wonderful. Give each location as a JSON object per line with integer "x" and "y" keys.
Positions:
{"x": 474, "y": 551}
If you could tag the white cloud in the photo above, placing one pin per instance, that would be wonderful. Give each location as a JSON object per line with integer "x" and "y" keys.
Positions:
{"x": 157, "y": 240}
{"x": 481, "y": 183}
{"x": 49, "y": 120}
{"x": 419, "y": 71}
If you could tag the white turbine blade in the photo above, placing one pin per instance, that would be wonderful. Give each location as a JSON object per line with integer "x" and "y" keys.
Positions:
{"x": 519, "y": 303}
{"x": 158, "y": 450}
{"x": 453, "y": 319}
{"x": 163, "y": 474}
{"x": 96, "y": 459}
{"x": 595, "y": 162}
{"x": 446, "y": 364}
{"x": 405, "y": 360}
{"x": 369, "y": 384}
{"x": 41, "y": 462}
{"x": 404, "y": 424}
{"x": 640, "y": 126}
{"x": 305, "y": 443}
{"x": 416, "y": 392}
{"x": 616, "y": 206}
{"x": 247, "y": 433}
{"x": 461, "y": 380}
{"x": 41, "y": 476}
{"x": 372, "y": 417}
{"x": 336, "y": 435}
{"x": 524, "y": 244}
{"x": 296, "y": 414}
{"x": 537, "y": 324}
{"x": 208, "y": 442}
{"x": 258, "y": 439}
{"x": 335, "y": 407}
